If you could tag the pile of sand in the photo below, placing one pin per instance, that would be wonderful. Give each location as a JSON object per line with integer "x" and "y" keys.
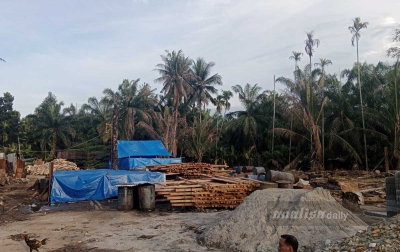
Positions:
{"x": 314, "y": 217}
{"x": 59, "y": 165}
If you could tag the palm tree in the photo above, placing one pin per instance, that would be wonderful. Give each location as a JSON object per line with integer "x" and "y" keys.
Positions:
{"x": 245, "y": 122}
{"x": 323, "y": 63}
{"x": 114, "y": 99}
{"x": 394, "y": 51}
{"x": 52, "y": 124}
{"x": 355, "y": 30}
{"x": 101, "y": 111}
{"x": 176, "y": 77}
{"x": 309, "y": 48}
{"x": 136, "y": 102}
{"x": 222, "y": 101}
{"x": 296, "y": 57}
{"x": 203, "y": 84}
{"x": 200, "y": 137}
{"x": 160, "y": 126}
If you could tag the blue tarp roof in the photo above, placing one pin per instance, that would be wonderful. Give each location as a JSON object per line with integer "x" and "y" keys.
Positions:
{"x": 132, "y": 163}
{"x": 149, "y": 148}
{"x": 95, "y": 184}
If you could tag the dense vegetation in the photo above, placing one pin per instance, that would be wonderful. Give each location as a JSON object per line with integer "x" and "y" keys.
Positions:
{"x": 322, "y": 121}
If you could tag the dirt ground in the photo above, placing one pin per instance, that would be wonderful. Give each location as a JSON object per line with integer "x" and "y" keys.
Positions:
{"x": 84, "y": 227}
{"x": 98, "y": 226}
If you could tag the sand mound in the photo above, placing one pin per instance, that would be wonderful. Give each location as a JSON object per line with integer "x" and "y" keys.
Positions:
{"x": 314, "y": 217}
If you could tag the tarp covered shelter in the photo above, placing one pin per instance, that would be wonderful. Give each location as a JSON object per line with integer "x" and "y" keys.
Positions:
{"x": 132, "y": 154}
{"x": 79, "y": 185}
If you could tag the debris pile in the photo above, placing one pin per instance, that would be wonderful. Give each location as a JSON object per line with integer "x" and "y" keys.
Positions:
{"x": 384, "y": 236}
{"x": 59, "y": 165}
{"x": 313, "y": 216}
{"x": 190, "y": 170}
{"x": 215, "y": 192}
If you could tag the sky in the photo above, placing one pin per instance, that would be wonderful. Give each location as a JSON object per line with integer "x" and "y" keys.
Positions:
{"x": 75, "y": 49}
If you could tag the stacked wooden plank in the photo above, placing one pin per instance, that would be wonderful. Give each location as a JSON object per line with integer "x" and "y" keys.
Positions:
{"x": 212, "y": 192}
{"x": 190, "y": 170}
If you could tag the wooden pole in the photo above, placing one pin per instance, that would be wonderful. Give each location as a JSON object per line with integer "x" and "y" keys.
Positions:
{"x": 273, "y": 123}
{"x": 51, "y": 170}
{"x": 386, "y": 159}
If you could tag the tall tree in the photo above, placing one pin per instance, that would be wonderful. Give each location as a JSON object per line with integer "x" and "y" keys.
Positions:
{"x": 296, "y": 57}
{"x": 245, "y": 121}
{"x": 394, "y": 51}
{"x": 203, "y": 83}
{"x": 52, "y": 125}
{"x": 311, "y": 42}
{"x": 136, "y": 102}
{"x": 176, "y": 77}
{"x": 323, "y": 63}
{"x": 355, "y": 30}
{"x": 114, "y": 98}
{"x": 101, "y": 112}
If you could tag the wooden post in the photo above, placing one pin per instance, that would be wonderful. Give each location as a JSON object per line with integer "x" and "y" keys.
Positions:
{"x": 51, "y": 170}
{"x": 386, "y": 159}
{"x": 273, "y": 125}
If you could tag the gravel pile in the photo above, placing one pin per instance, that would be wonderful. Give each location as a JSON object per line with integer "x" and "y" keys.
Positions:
{"x": 313, "y": 216}
{"x": 384, "y": 236}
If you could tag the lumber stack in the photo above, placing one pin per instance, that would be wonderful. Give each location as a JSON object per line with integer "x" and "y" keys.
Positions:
{"x": 213, "y": 192}
{"x": 59, "y": 165}
{"x": 190, "y": 170}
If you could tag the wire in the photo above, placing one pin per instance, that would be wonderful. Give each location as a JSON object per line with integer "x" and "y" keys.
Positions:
{"x": 84, "y": 142}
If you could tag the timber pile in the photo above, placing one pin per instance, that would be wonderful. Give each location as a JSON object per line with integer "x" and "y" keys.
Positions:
{"x": 59, "y": 165}
{"x": 213, "y": 192}
{"x": 190, "y": 170}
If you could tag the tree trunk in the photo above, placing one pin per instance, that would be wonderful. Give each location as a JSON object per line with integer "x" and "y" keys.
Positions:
{"x": 114, "y": 163}
{"x": 53, "y": 144}
{"x": 362, "y": 112}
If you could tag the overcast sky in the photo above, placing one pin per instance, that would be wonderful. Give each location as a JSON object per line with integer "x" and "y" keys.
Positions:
{"x": 77, "y": 48}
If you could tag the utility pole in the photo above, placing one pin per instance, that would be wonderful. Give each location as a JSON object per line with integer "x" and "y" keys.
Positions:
{"x": 273, "y": 123}
{"x": 111, "y": 147}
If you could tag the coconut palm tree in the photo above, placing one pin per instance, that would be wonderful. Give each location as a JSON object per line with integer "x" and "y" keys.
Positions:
{"x": 323, "y": 63}
{"x": 176, "y": 77}
{"x": 296, "y": 57}
{"x": 355, "y": 30}
{"x": 114, "y": 99}
{"x": 203, "y": 83}
{"x": 101, "y": 112}
{"x": 311, "y": 42}
{"x": 245, "y": 121}
{"x": 52, "y": 125}
{"x": 394, "y": 51}
{"x": 136, "y": 102}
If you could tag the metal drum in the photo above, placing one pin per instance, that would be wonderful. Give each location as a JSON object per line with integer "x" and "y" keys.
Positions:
{"x": 267, "y": 185}
{"x": 125, "y": 198}
{"x": 285, "y": 184}
{"x": 258, "y": 170}
{"x": 391, "y": 204}
{"x": 274, "y": 176}
{"x": 251, "y": 176}
{"x": 147, "y": 197}
{"x": 238, "y": 169}
{"x": 261, "y": 176}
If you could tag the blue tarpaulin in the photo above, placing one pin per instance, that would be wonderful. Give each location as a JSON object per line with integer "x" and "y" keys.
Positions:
{"x": 101, "y": 184}
{"x": 131, "y": 163}
{"x": 148, "y": 149}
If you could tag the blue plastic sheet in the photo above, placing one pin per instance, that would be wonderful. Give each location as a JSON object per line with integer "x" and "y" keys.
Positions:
{"x": 101, "y": 184}
{"x": 132, "y": 163}
{"x": 148, "y": 149}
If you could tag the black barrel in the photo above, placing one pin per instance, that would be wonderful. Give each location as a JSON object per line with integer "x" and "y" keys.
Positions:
{"x": 274, "y": 176}
{"x": 391, "y": 202}
{"x": 258, "y": 170}
{"x": 125, "y": 198}
{"x": 147, "y": 197}
{"x": 238, "y": 169}
{"x": 285, "y": 184}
